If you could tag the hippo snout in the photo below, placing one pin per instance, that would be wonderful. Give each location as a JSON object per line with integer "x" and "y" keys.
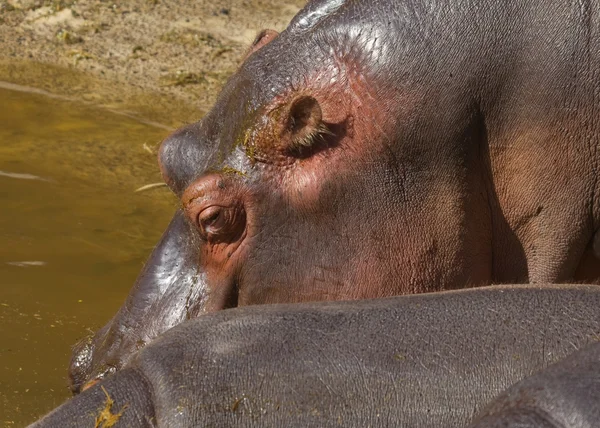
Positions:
{"x": 159, "y": 300}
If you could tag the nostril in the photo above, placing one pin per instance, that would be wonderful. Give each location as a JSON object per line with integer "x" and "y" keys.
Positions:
{"x": 81, "y": 362}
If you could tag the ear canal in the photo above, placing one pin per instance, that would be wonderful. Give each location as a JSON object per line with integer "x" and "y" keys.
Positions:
{"x": 305, "y": 121}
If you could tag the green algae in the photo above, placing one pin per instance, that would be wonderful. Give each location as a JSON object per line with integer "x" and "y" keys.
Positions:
{"x": 106, "y": 418}
{"x": 232, "y": 171}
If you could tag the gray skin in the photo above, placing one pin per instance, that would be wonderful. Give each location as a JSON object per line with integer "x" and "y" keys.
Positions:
{"x": 566, "y": 394}
{"x": 378, "y": 148}
{"x": 430, "y": 360}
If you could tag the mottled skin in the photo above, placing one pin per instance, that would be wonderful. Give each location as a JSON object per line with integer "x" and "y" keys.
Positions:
{"x": 378, "y": 148}
{"x": 430, "y": 360}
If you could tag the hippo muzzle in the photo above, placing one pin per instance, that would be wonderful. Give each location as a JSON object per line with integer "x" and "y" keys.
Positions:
{"x": 169, "y": 290}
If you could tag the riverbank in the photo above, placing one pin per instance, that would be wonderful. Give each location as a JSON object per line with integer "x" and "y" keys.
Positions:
{"x": 161, "y": 60}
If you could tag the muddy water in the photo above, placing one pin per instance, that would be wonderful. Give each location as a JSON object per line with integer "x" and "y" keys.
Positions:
{"x": 73, "y": 236}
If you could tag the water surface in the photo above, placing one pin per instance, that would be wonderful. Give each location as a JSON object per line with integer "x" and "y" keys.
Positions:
{"x": 73, "y": 236}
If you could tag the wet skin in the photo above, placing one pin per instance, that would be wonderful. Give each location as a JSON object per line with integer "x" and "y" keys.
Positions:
{"x": 375, "y": 149}
{"x": 431, "y": 360}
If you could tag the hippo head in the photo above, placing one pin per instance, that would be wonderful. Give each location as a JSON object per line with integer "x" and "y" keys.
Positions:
{"x": 317, "y": 175}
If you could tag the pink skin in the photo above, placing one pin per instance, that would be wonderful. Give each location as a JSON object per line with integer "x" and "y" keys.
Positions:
{"x": 301, "y": 185}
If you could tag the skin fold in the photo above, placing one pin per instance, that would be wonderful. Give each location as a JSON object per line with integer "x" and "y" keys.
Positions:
{"x": 379, "y": 148}
{"x": 429, "y": 360}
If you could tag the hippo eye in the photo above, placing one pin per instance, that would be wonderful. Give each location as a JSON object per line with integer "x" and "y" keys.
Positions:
{"x": 217, "y": 223}
{"x": 211, "y": 220}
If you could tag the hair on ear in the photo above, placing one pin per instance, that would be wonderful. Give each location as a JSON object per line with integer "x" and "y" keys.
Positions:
{"x": 263, "y": 38}
{"x": 305, "y": 122}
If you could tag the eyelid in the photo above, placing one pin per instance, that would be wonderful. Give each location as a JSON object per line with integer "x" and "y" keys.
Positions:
{"x": 228, "y": 222}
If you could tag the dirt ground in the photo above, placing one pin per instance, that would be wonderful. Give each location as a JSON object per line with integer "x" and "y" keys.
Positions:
{"x": 163, "y": 60}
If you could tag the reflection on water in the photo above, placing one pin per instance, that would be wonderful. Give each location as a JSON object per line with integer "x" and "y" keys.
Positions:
{"x": 73, "y": 236}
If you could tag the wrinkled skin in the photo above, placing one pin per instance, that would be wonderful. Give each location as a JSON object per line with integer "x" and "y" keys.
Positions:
{"x": 380, "y": 148}
{"x": 566, "y": 394}
{"x": 432, "y": 360}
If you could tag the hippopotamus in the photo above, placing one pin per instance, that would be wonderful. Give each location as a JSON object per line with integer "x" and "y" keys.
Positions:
{"x": 375, "y": 149}
{"x": 564, "y": 395}
{"x": 427, "y": 360}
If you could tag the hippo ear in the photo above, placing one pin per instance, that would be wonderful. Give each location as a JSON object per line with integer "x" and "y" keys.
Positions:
{"x": 304, "y": 122}
{"x": 261, "y": 39}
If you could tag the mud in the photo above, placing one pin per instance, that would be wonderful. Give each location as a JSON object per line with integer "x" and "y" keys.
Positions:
{"x": 164, "y": 60}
